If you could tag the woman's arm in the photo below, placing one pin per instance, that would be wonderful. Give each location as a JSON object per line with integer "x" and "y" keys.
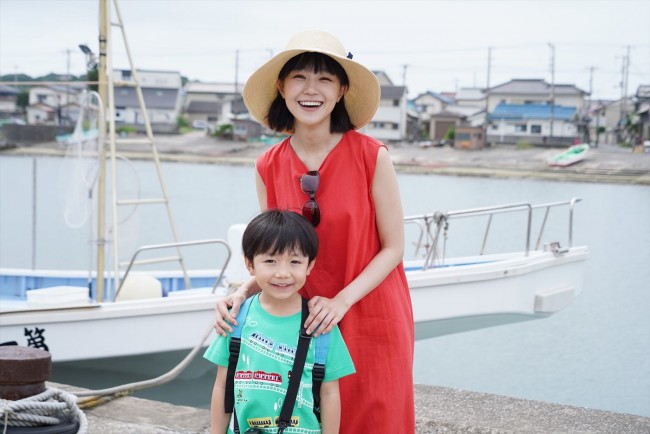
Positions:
{"x": 330, "y": 405}
{"x": 219, "y": 419}
{"x": 390, "y": 225}
{"x": 228, "y": 307}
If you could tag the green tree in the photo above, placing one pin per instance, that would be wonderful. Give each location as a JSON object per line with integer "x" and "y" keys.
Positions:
{"x": 450, "y": 135}
{"x": 22, "y": 100}
{"x": 93, "y": 75}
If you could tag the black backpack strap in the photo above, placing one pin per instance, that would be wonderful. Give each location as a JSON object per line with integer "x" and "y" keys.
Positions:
{"x": 318, "y": 373}
{"x": 296, "y": 372}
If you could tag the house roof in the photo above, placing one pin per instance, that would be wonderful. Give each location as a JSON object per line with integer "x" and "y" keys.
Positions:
{"x": 470, "y": 94}
{"x": 392, "y": 92}
{"x": 643, "y": 91}
{"x": 531, "y": 111}
{"x": 384, "y": 79}
{"x": 62, "y": 88}
{"x": 464, "y": 110}
{"x": 436, "y": 96}
{"x": 203, "y": 107}
{"x": 8, "y": 90}
{"x": 535, "y": 86}
{"x": 217, "y": 88}
{"x": 153, "y": 98}
{"x": 449, "y": 114}
{"x": 41, "y": 106}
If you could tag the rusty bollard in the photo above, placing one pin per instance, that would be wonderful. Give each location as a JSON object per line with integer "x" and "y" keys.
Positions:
{"x": 23, "y": 371}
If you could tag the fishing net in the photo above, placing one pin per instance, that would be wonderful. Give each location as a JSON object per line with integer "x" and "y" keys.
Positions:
{"x": 80, "y": 166}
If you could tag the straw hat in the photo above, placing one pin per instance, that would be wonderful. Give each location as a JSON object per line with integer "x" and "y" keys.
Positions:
{"x": 361, "y": 99}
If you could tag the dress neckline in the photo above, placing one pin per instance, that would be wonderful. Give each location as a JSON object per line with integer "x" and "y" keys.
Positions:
{"x": 325, "y": 160}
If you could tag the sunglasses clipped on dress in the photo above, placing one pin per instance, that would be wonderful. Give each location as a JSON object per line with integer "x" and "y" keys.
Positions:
{"x": 309, "y": 183}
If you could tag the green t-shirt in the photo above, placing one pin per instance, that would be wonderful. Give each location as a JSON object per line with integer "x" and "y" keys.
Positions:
{"x": 268, "y": 346}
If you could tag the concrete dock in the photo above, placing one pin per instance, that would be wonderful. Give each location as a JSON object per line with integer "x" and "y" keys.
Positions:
{"x": 438, "y": 410}
{"x": 606, "y": 163}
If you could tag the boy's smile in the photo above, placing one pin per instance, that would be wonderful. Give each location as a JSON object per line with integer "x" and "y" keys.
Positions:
{"x": 280, "y": 275}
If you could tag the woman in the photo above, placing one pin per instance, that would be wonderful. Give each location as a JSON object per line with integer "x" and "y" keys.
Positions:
{"x": 345, "y": 183}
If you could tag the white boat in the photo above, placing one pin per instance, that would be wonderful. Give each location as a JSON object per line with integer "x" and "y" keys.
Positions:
{"x": 77, "y": 316}
{"x": 572, "y": 155}
{"x": 449, "y": 294}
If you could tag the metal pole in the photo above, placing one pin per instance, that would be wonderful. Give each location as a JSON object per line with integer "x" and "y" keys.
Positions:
{"x": 487, "y": 99}
{"x": 101, "y": 177}
{"x": 552, "y": 93}
{"x": 236, "y": 72}
{"x": 34, "y": 208}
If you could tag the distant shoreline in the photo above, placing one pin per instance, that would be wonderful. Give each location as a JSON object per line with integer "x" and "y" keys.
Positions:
{"x": 421, "y": 164}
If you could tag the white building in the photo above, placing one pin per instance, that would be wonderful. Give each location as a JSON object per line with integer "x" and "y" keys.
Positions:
{"x": 390, "y": 122}
{"x": 162, "y": 97}
{"x": 54, "y": 105}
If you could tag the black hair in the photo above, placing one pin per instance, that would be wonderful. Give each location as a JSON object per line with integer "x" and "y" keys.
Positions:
{"x": 279, "y": 116}
{"x": 277, "y": 231}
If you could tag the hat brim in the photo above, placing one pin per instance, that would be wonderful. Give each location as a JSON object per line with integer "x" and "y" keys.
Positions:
{"x": 361, "y": 99}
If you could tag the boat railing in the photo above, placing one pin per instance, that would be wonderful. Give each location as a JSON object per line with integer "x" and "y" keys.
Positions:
{"x": 435, "y": 225}
{"x": 177, "y": 246}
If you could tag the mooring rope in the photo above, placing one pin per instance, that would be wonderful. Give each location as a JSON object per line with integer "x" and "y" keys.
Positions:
{"x": 51, "y": 407}
{"x": 92, "y": 396}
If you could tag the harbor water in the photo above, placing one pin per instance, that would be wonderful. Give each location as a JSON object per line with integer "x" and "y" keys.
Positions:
{"x": 595, "y": 353}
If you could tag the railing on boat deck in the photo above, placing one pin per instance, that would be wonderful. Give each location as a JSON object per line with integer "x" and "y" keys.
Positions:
{"x": 178, "y": 245}
{"x": 433, "y": 225}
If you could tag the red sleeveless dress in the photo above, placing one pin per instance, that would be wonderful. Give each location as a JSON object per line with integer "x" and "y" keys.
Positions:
{"x": 378, "y": 329}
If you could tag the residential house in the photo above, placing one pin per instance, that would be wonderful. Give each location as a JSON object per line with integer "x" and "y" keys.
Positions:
{"x": 161, "y": 92}
{"x": 532, "y": 123}
{"x": 209, "y": 102}
{"x": 470, "y": 97}
{"x": 598, "y": 126}
{"x": 428, "y": 105}
{"x": 390, "y": 122}
{"x": 642, "y": 109}
{"x": 613, "y": 113}
{"x": 535, "y": 91}
{"x": 8, "y": 97}
{"x": 245, "y": 127}
{"x": 54, "y": 105}
{"x": 535, "y": 111}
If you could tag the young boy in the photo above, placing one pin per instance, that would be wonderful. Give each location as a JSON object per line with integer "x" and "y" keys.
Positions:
{"x": 279, "y": 250}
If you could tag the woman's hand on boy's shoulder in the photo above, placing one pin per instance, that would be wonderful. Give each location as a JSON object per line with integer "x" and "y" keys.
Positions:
{"x": 226, "y": 312}
{"x": 324, "y": 314}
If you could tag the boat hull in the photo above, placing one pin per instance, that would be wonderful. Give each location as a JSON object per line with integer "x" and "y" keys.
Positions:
{"x": 573, "y": 155}
{"x": 99, "y": 330}
{"x": 485, "y": 291}
{"x": 500, "y": 289}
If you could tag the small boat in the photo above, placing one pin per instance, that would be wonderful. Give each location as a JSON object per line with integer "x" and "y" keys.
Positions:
{"x": 572, "y": 155}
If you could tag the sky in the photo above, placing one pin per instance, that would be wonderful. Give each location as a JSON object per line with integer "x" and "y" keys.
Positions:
{"x": 435, "y": 45}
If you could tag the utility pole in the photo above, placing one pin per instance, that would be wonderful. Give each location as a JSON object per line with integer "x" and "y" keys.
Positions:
{"x": 404, "y": 68}
{"x": 552, "y": 92}
{"x": 626, "y": 79}
{"x": 487, "y": 93}
{"x": 67, "y": 88}
{"x": 588, "y": 114}
{"x": 236, "y": 72}
{"x": 623, "y": 104}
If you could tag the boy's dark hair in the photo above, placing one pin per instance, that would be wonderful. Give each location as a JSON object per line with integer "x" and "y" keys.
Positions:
{"x": 276, "y": 231}
{"x": 279, "y": 116}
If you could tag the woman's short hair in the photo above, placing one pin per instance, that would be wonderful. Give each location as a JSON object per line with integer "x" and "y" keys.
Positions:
{"x": 279, "y": 116}
{"x": 278, "y": 231}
